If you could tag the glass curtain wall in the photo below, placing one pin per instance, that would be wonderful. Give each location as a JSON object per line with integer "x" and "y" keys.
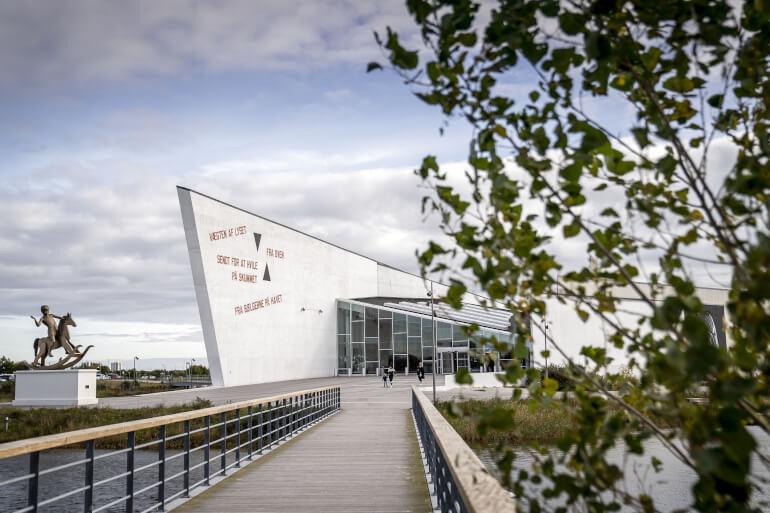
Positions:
{"x": 370, "y": 338}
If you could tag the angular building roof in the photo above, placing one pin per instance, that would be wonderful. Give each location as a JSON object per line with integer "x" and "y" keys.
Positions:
{"x": 487, "y": 317}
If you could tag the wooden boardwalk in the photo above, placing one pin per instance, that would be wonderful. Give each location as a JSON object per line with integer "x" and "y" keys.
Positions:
{"x": 363, "y": 459}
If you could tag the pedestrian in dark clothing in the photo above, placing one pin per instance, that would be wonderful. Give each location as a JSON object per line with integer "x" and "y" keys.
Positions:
{"x": 420, "y": 372}
{"x": 391, "y": 373}
{"x": 385, "y": 377}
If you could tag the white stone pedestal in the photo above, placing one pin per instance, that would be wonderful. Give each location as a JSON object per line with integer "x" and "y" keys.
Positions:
{"x": 71, "y": 387}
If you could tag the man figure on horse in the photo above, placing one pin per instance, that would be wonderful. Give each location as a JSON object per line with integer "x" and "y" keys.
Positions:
{"x": 49, "y": 320}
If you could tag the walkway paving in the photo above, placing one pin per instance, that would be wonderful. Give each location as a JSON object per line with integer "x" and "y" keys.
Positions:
{"x": 365, "y": 458}
{"x": 223, "y": 395}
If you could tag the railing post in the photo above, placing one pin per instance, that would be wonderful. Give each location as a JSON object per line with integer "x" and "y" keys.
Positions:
{"x": 162, "y": 467}
{"x": 130, "y": 469}
{"x": 223, "y": 446}
{"x": 238, "y": 437}
{"x": 186, "y": 483}
{"x": 32, "y": 487}
{"x": 207, "y": 450}
{"x": 260, "y": 439}
{"x": 250, "y": 427}
{"x": 269, "y": 425}
{"x": 88, "y": 499}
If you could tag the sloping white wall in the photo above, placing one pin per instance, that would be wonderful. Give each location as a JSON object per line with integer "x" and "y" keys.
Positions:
{"x": 291, "y": 333}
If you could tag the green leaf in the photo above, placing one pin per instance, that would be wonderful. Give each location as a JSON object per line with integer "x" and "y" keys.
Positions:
{"x": 716, "y": 100}
{"x": 373, "y": 66}
{"x": 679, "y": 84}
{"x": 463, "y": 377}
{"x": 550, "y": 386}
{"x": 572, "y": 229}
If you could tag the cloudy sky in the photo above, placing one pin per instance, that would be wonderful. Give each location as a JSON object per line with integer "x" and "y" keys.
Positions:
{"x": 106, "y": 106}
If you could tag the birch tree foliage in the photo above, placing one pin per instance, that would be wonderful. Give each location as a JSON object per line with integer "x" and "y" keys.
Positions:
{"x": 644, "y": 202}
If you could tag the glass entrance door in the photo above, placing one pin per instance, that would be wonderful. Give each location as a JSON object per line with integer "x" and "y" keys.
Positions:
{"x": 447, "y": 362}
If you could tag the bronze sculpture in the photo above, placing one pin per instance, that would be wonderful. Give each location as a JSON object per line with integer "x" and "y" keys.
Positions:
{"x": 58, "y": 336}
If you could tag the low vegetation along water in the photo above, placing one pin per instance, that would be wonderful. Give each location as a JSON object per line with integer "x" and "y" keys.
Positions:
{"x": 670, "y": 488}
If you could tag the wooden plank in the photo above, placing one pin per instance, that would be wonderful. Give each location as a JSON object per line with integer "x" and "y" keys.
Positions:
{"x": 365, "y": 458}
{"x": 72, "y": 437}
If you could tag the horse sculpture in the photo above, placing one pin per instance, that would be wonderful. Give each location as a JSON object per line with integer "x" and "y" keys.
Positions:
{"x": 45, "y": 346}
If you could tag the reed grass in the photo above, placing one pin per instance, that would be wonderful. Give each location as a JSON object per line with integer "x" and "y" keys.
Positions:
{"x": 485, "y": 423}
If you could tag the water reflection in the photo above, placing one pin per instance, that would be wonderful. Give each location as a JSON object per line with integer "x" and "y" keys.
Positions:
{"x": 14, "y": 497}
{"x": 669, "y": 488}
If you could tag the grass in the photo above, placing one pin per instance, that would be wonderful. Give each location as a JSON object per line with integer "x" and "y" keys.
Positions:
{"x": 119, "y": 388}
{"x": 29, "y": 423}
{"x": 528, "y": 426}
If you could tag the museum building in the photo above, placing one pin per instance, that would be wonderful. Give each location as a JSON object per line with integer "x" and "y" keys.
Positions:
{"x": 277, "y": 304}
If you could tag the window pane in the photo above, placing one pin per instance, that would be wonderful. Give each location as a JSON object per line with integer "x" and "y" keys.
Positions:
{"x": 399, "y": 323}
{"x": 371, "y": 349}
{"x": 427, "y": 353}
{"x": 427, "y": 333}
{"x": 399, "y": 343}
{"x": 414, "y": 326}
{"x": 444, "y": 330}
{"x": 358, "y": 312}
{"x": 343, "y": 355}
{"x": 386, "y": 314}
{"x": 386, "y": 336}
{"x": 343, "y": 318}
{"x": 415, "y": 353}
{"x": 371, "y": 368}
{"x": 371, "y": 322}
{"x": 386, "y": 358}
{"x": 460, "y": 343}
{"x": 458, "y": 333}
{"x": 358, "y": 331}
{"x": 400, "y": 363}
{"x": 358, "y": 358}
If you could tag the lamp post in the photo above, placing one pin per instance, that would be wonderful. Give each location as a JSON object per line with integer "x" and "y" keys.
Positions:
{"x": 135, "y": 359}
{"x": 433, "y": 324}
{"x": 546, "y": 325}
{"x": 189, "y": 372}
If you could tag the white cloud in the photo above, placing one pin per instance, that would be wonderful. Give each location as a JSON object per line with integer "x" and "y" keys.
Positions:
{"x": 85, "y": 40}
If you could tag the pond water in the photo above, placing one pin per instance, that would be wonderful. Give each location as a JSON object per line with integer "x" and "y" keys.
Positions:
{"x": 669, "y": 488}
{"x": 14, "y": 496}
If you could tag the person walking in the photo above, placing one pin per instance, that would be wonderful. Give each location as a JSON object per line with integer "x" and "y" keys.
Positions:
{"x": 420, "y": 372}
{"x": 384, "y": 371}
{"x": 391, "y": 373}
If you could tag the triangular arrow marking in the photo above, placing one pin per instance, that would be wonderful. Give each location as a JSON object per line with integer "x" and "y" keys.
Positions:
{"x": 266, "y": 276}
{"x": 257, "y": 239}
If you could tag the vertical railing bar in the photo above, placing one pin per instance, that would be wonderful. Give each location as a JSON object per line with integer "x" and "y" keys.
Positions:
{"x": 207, "y": 450}
{"x": 238, "y": 437}
{"x": 250, "y": 427}
{"x": 88, "y": 499}
{"x": 34, "y": 481}
{"x": 223, "y": 443}
{"x": 269, "y": 425}
{"x": 162, "y": 467}
{"x": 186, "y": 458}
{"x": 130, "y": 469}
{"x": 260, "y": 420}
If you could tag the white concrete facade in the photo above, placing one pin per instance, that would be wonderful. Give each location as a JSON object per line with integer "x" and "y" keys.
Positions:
{"x": 571, "y": 334}
{"x": 259, "y": 328}
{"x": 71, "y": 387}
{"x": 266, "y": 296}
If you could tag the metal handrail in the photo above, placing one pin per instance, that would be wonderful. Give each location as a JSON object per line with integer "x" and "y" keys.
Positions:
{"x": 460, "y": 481}
{"x": 242, "y": 430}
